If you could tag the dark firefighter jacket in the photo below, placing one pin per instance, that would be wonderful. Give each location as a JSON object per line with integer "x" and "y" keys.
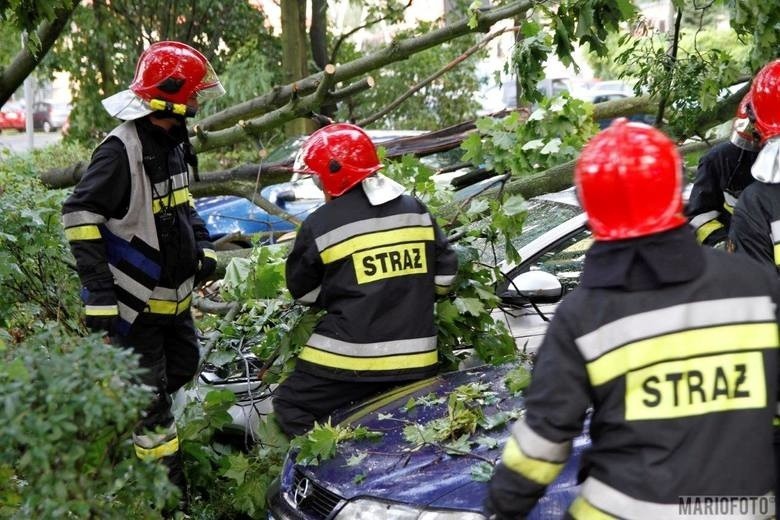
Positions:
{"x": 723, "y": 173}
{"x": 676, "y": 351}
{"x": 376, "y": 271}
{"x": 132, "y": 227}
{"x": 755, "y": 228}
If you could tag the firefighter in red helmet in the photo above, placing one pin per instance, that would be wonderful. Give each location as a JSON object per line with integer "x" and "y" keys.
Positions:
{"x": 139, "y": 244}
{"x": 723, "y": 173}
{"x": 374, "y": 259}
{"x": 672, "y": 345}
{"x": 756, "y": 222}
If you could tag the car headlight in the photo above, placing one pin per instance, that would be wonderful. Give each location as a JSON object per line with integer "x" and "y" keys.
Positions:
{"x": 363, "y": 509}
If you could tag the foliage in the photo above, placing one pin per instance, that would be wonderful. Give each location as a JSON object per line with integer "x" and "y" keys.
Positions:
{"x": 27, "y": 16}
{"x": 38, "y": 283}
{"x": 518, "y": 379}
{"x": 693, "y": 80}
{"x": 69, "y": 406}
{"x": 464, "y": 414}
{"x": 227, "y": 479}
{"x": 553, "y": 133}
{"x": 107, "y": 37}
{"x": 320, "y": 442}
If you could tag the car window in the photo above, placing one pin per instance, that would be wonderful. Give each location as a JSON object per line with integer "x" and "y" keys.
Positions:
{"x": 542, "y": 216}
{"x": 565, "y": 259}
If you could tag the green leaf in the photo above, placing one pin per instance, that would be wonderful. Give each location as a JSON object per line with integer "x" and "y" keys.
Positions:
{"x": 481, "y": 472}
{"x": 237, "y": 468}
{"x": 471, "y": 306}
{"x": 357, "y": 458}
{"x": 517, "y": 379}
{"x": 487, "y": 442}
{"x": 514, "y": 205}
{"x": 16, "y": 371}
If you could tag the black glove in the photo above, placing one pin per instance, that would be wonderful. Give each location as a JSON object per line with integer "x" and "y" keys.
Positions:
{"x": 207, "y": 261}
{"x": 101, "y": 309}
{"x": 506, "y": 499}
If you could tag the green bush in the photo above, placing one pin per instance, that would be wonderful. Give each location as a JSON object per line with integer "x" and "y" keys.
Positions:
{"x": 69, "y": 408}
{"x": 37, "y": 279}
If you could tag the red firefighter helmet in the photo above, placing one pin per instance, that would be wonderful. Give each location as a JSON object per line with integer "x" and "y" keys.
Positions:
{"x": 629, "y": 180}
{"x": 340, "y": 155}
{"x": 174, "y": 72}
{"x": 765, "y": 94}
{"x": 743, "y": 129}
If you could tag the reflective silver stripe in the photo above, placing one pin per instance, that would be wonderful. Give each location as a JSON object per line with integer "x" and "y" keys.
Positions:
{"x": 535, "y": 446}
{"x": 676, "y": 318}
{"x": 381, "y": 348}
{"x": 615, "y": 502}
{"x": 729, "y": 199}
{"x": 310, "y": 297}
{"x": 79, "y": 218}
{"x": 127, "y": 313}
{"x": 777, "y": 409}
{"x": 177, "y": 181}
{"x": 776, "y": 231}
{"x": 154, "y": 439}
{"x": 127, "y": 283}
{"x": 174, "y": 295}
{"x": 371, "y": 225}
{"x": 699, "y": 220}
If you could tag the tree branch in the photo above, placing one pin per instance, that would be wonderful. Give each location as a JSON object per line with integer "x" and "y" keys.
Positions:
{"x": 398, "y": 50}
{"x": 433, "y": 77}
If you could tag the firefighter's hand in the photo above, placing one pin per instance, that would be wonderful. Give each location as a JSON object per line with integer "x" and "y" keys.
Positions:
{"x": 505, "y": 500}
{"x": 101, "y": 309}
{"x": 207, "y": 261}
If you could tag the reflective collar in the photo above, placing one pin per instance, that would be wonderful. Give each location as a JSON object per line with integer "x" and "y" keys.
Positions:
{"x": 766, "y": 167}
{"x": 126, "y": 106}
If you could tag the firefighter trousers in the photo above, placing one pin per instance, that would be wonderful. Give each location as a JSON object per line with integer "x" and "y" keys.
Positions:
{"x": 169, "y": 354}
{"x": 304, "y": 398}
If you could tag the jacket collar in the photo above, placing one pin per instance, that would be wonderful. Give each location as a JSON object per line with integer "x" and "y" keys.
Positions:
{"x": 644, "y": 263}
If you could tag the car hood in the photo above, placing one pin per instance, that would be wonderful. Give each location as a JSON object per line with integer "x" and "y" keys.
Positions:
{"x": 392, "y": 469}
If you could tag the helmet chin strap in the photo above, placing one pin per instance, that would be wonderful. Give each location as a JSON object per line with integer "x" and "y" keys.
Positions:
{"x": 178, "y": 109}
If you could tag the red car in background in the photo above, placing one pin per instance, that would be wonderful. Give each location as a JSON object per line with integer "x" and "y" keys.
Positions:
{"x": 12, "y": 116}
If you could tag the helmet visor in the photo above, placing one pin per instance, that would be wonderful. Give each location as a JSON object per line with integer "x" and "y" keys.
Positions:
{"x": 209, "y": 87}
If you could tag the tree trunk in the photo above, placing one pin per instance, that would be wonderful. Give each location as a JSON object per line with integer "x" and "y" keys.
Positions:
{"x": 318, "y": 39}
{"x": 294, "y": 56}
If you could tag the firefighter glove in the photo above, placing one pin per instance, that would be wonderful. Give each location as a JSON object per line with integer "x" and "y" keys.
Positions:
{"x": 101, "y": 309}
{"x": 207, "y": 261}
{"x": 506, "y": 498}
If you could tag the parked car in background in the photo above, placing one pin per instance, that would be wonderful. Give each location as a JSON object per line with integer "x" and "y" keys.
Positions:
{"x": 242, "y": 218}
{"x": 12, "y": 116}
{"x": 49, "y": 116}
